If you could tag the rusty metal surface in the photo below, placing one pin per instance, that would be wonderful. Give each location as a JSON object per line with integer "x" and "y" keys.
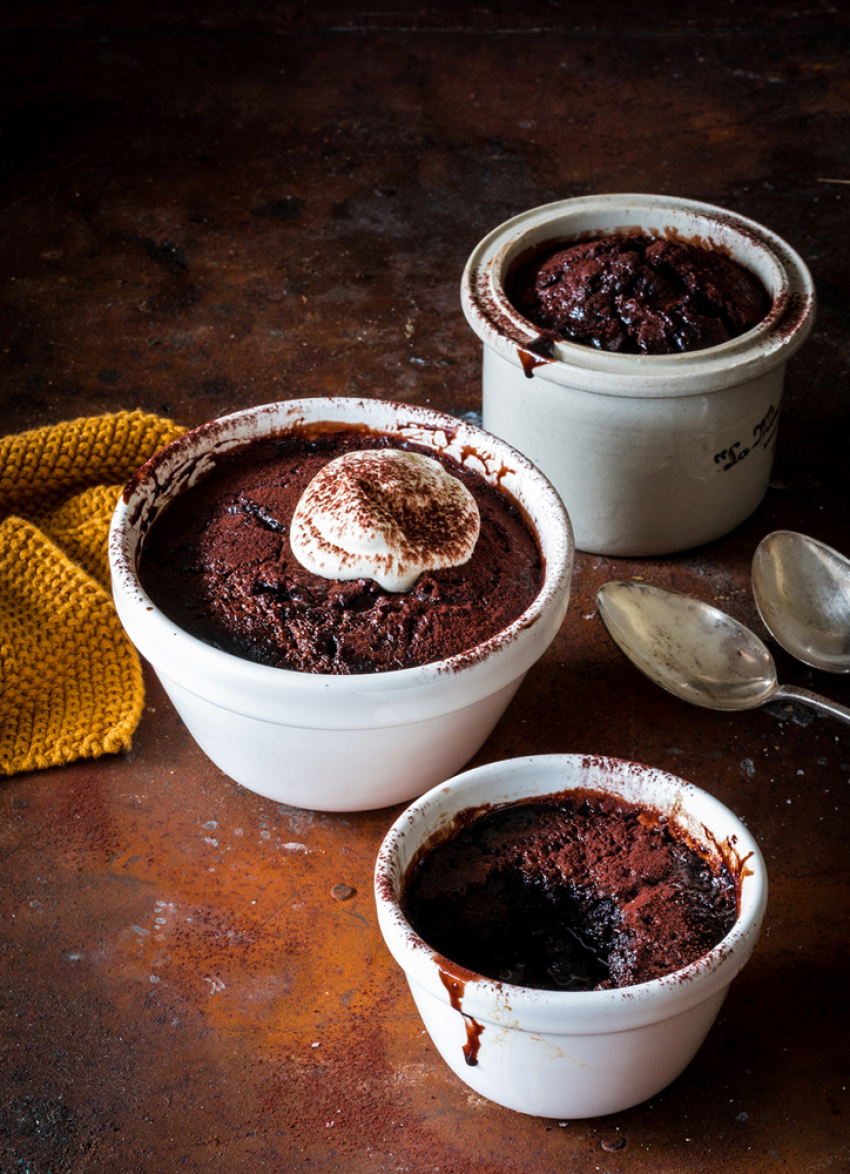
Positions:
{"x": 209, "y": 206}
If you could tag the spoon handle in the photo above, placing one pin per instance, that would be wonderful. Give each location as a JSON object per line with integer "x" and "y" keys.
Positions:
{"x": 806, "y": 697}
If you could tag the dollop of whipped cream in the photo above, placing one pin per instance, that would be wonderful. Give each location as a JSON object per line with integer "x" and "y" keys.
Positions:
{"x": 384, "y": 514}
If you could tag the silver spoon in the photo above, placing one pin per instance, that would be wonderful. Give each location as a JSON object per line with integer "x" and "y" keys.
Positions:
{"x": 696, "y": 652}
{"x": 802, "y": 591}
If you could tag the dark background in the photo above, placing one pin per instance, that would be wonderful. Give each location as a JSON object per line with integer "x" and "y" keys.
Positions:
{"x": 206, "y": 206}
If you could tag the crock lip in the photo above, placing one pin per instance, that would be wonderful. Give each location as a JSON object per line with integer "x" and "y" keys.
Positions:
{"x": 500, "y": 326}
{"x": 151, "y": 625}
{"x": 621, "y": 1008}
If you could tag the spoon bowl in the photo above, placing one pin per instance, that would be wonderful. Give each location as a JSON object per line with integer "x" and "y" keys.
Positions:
{"x": 689, "y": 648}
{"x": 802, "y": 591}
{"x": 696, "y": 652}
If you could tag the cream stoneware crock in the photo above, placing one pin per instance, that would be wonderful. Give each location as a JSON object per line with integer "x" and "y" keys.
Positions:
{"x": 651, "y": 454}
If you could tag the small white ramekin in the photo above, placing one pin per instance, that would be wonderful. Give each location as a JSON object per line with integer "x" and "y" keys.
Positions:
{"x": 651, "y": 454}
{"x": 559, "y": 1053}
{"x": 339, "y": 743}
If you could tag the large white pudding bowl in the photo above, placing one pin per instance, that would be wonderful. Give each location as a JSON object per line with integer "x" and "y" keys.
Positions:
{"x": 339, "y": 743}
{"x": 559, "y": 1053}
{"x": 651, "y": 454}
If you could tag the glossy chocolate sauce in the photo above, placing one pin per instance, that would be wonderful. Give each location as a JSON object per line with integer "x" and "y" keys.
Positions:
{"x": 575, "y": 892}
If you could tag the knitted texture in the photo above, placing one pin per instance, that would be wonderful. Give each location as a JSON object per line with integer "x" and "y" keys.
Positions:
{"x": 71, "y": 681}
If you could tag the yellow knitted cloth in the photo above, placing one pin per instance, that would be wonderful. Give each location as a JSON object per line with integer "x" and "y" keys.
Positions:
{"x": 70, "y": 681}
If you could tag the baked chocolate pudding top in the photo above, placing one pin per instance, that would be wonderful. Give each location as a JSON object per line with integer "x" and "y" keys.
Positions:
{"x": 574, "y": 892}
{"x": 218, "y": 561}
{"x": 639, "y": 295}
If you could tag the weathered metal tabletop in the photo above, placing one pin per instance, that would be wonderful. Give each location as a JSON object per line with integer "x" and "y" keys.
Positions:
{"x": 206, "y": 206}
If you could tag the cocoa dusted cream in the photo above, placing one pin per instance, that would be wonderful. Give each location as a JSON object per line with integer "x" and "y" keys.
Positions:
{"x": 219, "y": 560}
{"x": 574, "y": 892}
{"x": 386, "y": 515}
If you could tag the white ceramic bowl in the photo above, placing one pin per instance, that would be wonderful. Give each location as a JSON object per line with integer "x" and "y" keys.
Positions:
{"x": 559, "y": 1053}
{"x": 339, "y": 743}
{"x": 651, "y": 453}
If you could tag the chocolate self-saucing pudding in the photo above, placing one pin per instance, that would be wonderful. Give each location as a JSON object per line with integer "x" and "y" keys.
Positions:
{"x": 335, "y": 679}
{"x": 528, "y": 902}
{"x": 220, "y": 561}
{"x": 639, "y": 294}
{"x": 573, "y": 892}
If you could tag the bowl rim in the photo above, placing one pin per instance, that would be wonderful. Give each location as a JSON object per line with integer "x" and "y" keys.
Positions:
{"x": 580, "y": 1012}
{"x": 149, "y": 628}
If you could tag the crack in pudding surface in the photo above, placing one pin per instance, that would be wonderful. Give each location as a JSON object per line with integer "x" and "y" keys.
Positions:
{"x": 387, "y": 515}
